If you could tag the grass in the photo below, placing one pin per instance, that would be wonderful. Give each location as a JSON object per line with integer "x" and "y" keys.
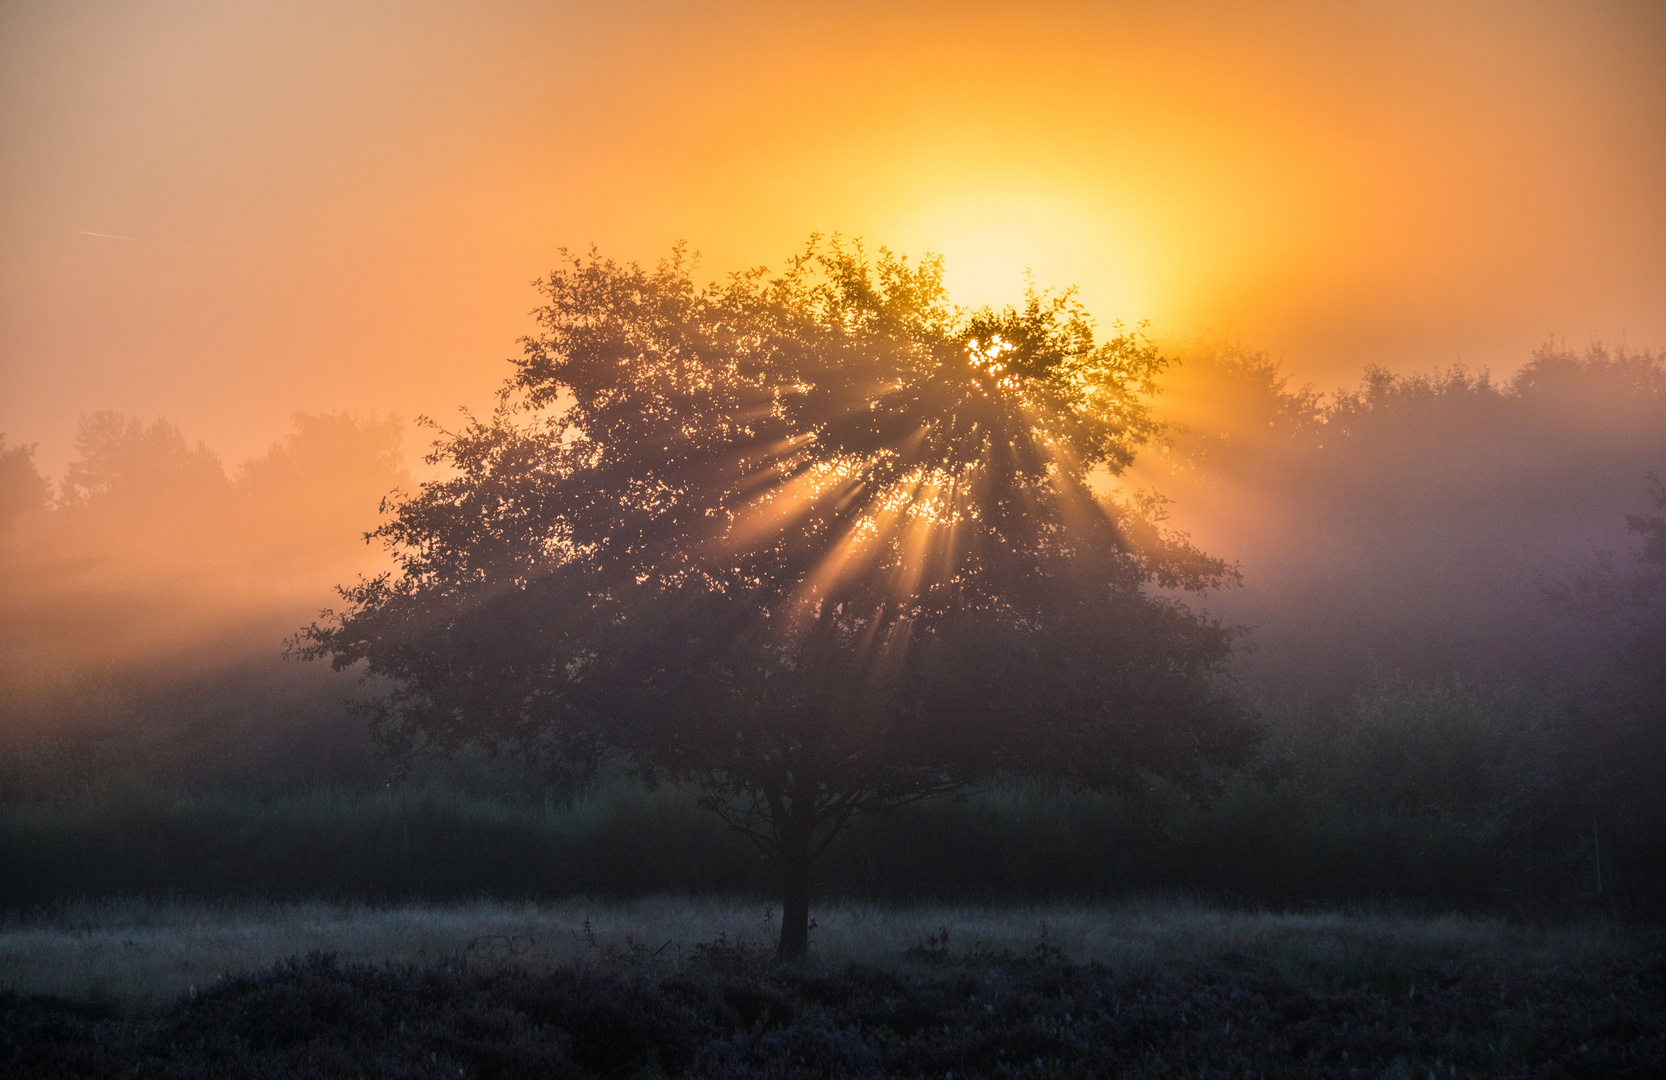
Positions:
{"x": 135, "y": 955}
{"x": 679, "y": 987}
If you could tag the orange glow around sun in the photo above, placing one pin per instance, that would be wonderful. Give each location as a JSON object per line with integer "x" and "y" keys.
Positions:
{"x": 225, "y": 214}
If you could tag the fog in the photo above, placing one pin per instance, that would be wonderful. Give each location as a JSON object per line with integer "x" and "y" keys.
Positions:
{"x": 1407, "y": 259}
{"x": 1406, "y": 527}
{"x": 972, "y": 464}
{"x": 1430, "y": 572}
{"x": 228, "y": 217}
{"x": 149, "y": 562}
{"x": 1411, "y": 526}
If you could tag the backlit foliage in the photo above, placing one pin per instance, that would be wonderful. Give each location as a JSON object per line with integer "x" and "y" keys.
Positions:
{"x": 818, "y": 542}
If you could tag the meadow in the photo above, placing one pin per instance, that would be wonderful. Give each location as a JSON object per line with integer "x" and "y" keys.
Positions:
{"x": 139, "y": 954}
{"x": 686, "y": 986}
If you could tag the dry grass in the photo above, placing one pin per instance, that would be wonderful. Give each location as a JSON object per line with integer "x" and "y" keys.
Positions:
{"x": 137, "y": 954}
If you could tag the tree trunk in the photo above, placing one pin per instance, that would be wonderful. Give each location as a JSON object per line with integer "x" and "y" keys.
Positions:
{"x": 795, "y": 892}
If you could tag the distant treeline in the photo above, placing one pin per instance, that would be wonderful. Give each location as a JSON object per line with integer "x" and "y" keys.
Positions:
{"x": 148, "y": 554}
{"x": 1413, "y": 526}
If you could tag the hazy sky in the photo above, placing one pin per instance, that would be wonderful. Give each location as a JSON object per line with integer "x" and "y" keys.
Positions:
{"x": 339, "y": 205}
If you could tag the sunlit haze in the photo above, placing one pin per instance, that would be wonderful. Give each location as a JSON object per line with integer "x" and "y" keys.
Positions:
{"x": 225, "y": 213}
{"x": 833, "y": 537}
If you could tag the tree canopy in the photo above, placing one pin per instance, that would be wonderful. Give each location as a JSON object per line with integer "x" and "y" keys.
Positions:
{"x": 816, "y": 543}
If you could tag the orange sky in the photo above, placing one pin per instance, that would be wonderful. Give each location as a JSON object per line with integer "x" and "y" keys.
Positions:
{"x": 341, "y": 205}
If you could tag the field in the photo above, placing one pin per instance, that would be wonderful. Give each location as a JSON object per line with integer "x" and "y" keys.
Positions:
{"x": 244, "y": 894}
{"x": 144, "y": 953}
{"x": 679, "y": 986}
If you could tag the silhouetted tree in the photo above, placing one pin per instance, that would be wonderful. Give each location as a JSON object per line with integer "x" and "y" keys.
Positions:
{"x": 816, "y": 545}
{"x": 22, "y": 489}
{"x": 329, "y": 459}
{"x": 310, "y": 498}
{"x": 121, "y": 459}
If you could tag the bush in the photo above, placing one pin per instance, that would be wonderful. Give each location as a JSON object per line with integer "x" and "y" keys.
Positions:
{"x": 1443, "y": 795}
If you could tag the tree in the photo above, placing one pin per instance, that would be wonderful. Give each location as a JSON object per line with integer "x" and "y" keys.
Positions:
{"x": 306, "y": 502}
{"x": 122, "y": 461}
{"x": 817, "y": 544}
{"x": 22, "y": 489}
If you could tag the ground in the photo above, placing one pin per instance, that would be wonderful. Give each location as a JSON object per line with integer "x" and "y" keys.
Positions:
{"x": 680, "y": 987}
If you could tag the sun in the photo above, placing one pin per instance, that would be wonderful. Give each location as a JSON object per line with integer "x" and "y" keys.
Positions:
{"x": 987, "y": 259}
{"x": 994, "y": 243}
